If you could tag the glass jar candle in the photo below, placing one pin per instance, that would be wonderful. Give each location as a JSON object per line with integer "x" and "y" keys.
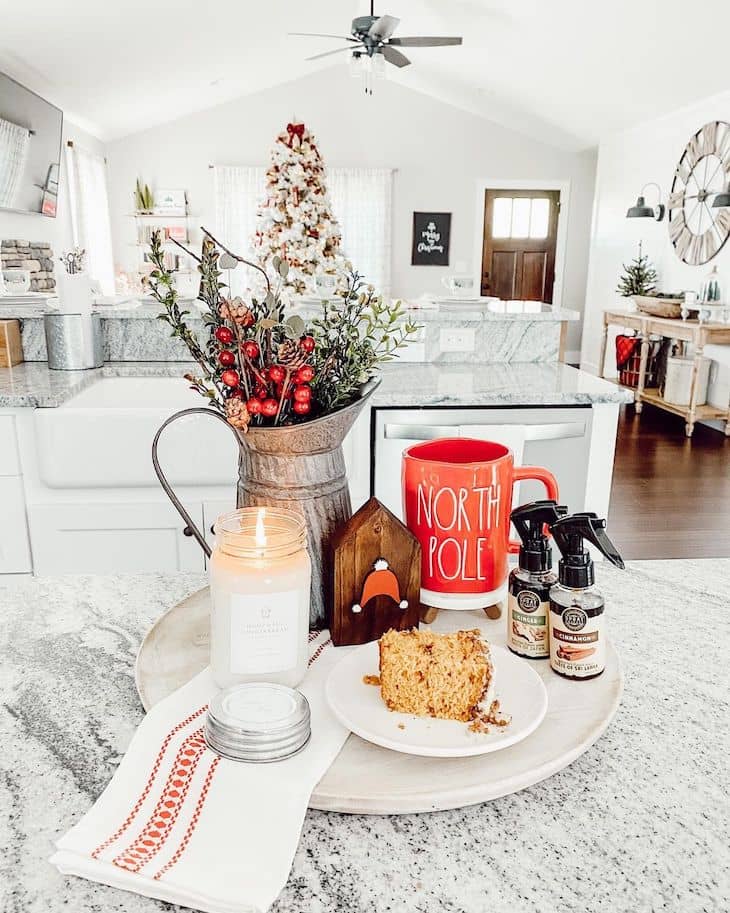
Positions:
{"x": 260, "y": 576}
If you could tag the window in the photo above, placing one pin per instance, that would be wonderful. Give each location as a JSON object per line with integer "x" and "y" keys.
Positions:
{"x": 521, "y": 217}
{"x": 361, "y": 202}
{"x": 89, "y": 205}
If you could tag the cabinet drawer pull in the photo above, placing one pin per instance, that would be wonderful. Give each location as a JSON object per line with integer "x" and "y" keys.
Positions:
{"x": 556, "y": 431}
{"x": 187, "y": 532}
{"x": 419, "y": 432}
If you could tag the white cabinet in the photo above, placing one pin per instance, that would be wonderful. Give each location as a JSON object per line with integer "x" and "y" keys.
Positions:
{"x": 9, "y": 461}
{"x": 113, "y": 537}
{"x": 356, "y": 447}
{"x": 14, "y": 548}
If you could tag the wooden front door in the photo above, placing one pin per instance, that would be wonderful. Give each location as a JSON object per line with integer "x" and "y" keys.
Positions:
{"x": 518, "y": 252}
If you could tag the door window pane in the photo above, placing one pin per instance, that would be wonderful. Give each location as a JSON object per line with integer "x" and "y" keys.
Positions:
{"x": 520, "y": 217}
{"x": 502, "y": 217}
{"x": 539, "y": 218}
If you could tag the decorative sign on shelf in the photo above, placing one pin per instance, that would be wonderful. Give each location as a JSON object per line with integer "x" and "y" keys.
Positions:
{"x": 376, "y": 572}
{"x": 431, "y": 236}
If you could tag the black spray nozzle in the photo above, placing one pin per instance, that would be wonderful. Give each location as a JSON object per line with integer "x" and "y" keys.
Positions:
{"x": 570, "y": 534}
{"x": 532, "y": 522}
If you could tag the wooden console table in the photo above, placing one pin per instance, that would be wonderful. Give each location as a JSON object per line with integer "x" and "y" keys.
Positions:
{"x": 687, "y": 331}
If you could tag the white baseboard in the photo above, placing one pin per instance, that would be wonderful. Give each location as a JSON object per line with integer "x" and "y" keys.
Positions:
{"x": 572, "y": 357}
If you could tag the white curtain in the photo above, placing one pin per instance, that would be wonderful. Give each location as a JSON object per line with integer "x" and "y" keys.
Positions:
{"x": 237, "y": 190}
{"x": 90, "y": 213}
{"x": 361, "y": 201}
{"x": 14, "y": 143}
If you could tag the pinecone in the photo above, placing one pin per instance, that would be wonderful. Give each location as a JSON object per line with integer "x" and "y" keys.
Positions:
{"x": 235, "y": 310}
{"x": 237, "y": 414}
{"x": 289, "y": 354}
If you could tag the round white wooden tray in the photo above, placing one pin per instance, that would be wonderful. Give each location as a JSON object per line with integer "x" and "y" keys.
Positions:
{"x": 367, "y": 779}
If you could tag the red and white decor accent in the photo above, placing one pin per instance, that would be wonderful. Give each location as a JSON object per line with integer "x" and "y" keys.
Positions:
{"x": 181, "y": 824}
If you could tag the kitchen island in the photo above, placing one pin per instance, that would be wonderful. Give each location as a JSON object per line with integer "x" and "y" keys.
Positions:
{"x": 79, "y": 492}
{"x": 637, "y": 824}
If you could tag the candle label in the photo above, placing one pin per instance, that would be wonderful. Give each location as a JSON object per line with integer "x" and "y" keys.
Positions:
{"x": 264, "y": 632}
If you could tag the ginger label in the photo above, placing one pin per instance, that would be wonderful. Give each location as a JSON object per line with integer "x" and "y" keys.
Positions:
{"x": 527, "y": 624}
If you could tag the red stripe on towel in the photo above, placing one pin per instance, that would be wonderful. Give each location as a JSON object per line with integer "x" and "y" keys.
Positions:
{"x": 172, "y": 798}
{"x": 318, "y": 652}
{"x": 150, "y": 782}
{"x": 193, "y": 821}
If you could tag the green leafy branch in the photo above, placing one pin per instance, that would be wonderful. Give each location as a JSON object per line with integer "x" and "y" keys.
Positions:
{"x": 161, "y": 283}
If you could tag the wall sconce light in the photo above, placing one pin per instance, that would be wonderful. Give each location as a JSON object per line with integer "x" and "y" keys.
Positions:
{"x": 722, "y": 199}
{"x": 642, "y": 211}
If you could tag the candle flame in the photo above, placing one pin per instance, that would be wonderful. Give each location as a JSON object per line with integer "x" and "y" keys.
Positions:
{"x": 260, "y": 530}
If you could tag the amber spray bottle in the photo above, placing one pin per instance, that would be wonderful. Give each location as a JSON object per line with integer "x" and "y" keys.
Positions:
{"x": 530, "y": 582}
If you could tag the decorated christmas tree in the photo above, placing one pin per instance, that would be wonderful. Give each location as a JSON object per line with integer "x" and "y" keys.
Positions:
{"x": 639, "y": 277}
{"x": 295, "y": 221}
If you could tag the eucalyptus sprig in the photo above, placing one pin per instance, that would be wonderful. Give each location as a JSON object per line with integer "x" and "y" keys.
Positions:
{"x": 357, "y": 332}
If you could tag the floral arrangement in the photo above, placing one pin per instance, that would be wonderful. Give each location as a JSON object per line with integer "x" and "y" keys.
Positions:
{"x": 262, "y": 366}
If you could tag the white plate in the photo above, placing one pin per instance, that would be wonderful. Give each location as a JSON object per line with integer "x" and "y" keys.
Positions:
{"x": 520, "y": 691}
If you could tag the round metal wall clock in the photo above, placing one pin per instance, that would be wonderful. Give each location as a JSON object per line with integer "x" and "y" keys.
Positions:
{"x": 697, "y": 230}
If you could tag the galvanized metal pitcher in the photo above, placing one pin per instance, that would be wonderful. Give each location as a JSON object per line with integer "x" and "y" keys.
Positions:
{"x": 297, "y": 467}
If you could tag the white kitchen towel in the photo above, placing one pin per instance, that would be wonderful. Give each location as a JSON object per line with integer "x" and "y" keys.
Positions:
{"x": 180, "y": 824}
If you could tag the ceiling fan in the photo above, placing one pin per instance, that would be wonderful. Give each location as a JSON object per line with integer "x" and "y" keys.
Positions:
{"x": 372, "y": 38}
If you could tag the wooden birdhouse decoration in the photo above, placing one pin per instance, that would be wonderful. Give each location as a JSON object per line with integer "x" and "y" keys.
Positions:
{"x": 376, "y": 571}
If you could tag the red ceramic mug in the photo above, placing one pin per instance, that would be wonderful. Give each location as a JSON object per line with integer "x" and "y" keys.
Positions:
{"x": 457, "y": 500}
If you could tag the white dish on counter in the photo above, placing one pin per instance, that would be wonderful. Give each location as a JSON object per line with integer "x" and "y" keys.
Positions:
{"x": 359, "y": 707}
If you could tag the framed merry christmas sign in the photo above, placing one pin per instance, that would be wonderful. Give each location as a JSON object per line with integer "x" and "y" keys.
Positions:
{"x": 431, "y": 236}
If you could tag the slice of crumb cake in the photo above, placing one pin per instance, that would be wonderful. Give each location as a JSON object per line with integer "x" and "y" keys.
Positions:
{"x": 448, "y": 676}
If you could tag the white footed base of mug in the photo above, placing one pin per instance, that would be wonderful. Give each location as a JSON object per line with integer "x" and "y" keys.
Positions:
{"x": 463, "y": 601}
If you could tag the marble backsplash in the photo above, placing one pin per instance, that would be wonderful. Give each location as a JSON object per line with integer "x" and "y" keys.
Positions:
{"x": 139, "y": 336}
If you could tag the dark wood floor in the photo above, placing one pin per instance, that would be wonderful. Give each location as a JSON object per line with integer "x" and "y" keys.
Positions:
{"x": 670, "y": 495}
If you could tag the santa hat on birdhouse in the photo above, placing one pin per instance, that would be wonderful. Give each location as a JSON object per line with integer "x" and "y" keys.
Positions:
{"x": 381, "y": 581}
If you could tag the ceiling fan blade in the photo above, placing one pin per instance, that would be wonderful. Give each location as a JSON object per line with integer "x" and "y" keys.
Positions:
{"x": 319, "y": 35}
{"x": 424, "y": 42}
{"x": 327, "y": 53}
{"x": 394, "y": 57}
{"x": 383, "y": 27}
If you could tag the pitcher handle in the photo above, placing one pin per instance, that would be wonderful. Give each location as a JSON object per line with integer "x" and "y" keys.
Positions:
{"x": 538, "y": 474}
{"x": 190, "y": 529}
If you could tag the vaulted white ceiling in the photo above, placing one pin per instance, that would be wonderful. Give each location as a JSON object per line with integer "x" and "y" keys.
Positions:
{"x": 567, "y": 71}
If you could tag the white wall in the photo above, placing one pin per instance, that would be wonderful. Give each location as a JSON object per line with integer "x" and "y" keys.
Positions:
{"x": 35, "y": 227}
{"x": 440, "y": 153}
{"x": 626, "y": 161}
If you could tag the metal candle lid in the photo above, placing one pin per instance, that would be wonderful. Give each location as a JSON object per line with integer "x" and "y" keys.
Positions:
{"x": 258, "y": 721}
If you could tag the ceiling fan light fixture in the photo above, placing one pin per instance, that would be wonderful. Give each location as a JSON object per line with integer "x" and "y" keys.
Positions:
{"x": 357, "y": 65}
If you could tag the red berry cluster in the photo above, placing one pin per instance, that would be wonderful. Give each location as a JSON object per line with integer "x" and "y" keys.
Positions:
{"x": 271, "y": 390}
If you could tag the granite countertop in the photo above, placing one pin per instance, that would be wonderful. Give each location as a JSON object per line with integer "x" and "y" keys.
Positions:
{"x": 404, "y": 384}
{"x": 638, "y": 824}
{"x": 143, "y": 308}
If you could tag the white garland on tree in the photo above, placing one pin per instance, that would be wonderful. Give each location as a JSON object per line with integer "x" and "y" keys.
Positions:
{"x": 295, "y": 220}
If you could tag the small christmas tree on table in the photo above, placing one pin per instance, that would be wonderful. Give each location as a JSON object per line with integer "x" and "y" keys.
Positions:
{"x": 295, "y": 221}
{"x": 638, "y": 278}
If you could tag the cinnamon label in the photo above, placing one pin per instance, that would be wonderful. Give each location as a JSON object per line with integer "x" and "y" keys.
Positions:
{"x": 577, "y": 644}
{"x": 527, "y": 624}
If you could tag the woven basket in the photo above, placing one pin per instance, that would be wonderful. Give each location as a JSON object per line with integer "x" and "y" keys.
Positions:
{"x": 659, "y": 307}
{"x": 628, "y": 373}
